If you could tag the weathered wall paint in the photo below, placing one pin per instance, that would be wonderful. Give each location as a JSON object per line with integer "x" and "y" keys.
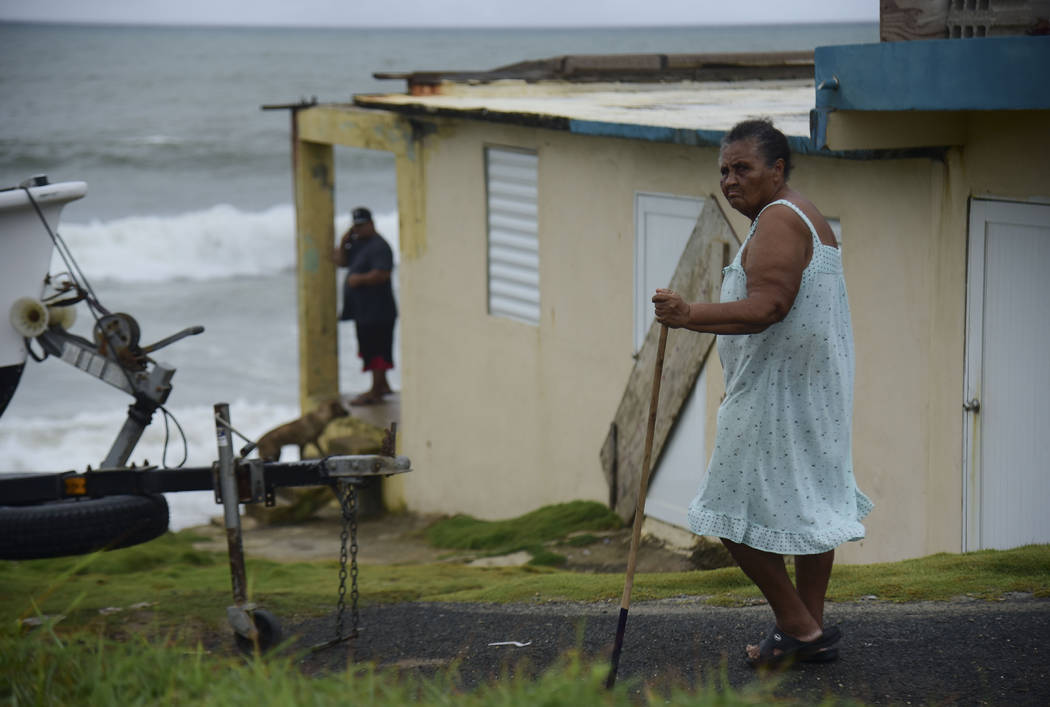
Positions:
{"x": 500, "y": 417}
{"x": 315, "y": 233}
{"x": 379, "y": 130}
{"x": 345, "y": 125}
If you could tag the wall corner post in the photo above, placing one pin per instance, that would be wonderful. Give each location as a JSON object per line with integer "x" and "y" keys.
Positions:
{"x": 314, "y": 185}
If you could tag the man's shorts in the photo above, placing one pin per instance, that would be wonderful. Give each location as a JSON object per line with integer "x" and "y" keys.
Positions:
{"x": 375, "y": 346}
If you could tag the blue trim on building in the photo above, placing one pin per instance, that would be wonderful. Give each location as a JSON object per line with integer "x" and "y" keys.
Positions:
{"x": 800, "y": 145}
{"x": 990, "y": 73}
{"x": 651, "y": 133}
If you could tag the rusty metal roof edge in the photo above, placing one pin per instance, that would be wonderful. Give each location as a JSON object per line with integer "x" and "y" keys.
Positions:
{"x": 635, "y": 67}
{"x": 416, "y": 109}
{"x": 693, "y": 137}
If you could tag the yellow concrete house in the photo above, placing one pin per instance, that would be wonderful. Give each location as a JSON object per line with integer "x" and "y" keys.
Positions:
{"x": 540, "y": 204}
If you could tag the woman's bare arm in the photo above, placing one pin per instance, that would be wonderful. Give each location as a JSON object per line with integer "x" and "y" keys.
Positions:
{"x": 773, "y": 261}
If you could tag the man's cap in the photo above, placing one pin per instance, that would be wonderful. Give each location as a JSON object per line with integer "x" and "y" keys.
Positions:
{"x": 361, "y": 215}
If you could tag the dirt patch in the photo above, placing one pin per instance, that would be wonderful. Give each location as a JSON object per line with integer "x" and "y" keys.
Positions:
{"x": 392, "y": 539}
{"x": 398, "y": 539}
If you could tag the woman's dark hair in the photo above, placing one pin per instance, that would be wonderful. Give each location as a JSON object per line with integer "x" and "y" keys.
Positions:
{"x": 772, "y": 144}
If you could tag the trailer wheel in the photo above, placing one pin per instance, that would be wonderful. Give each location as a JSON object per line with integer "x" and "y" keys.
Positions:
{"x": 79, "y": 526}
{"x": 268, "y": 628}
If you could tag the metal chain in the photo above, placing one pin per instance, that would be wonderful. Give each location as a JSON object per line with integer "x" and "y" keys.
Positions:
{"x": 341, "y": 603}
{"x": 348, "y": 503}
{"x": 354, "y": 613}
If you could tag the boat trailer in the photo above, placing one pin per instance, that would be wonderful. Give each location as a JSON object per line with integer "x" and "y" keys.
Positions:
{"x": 124, "y": 503}
{"x": 234, "y": 480}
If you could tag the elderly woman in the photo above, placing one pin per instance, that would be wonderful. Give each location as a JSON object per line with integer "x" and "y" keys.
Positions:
{"x": 780, "y": 481}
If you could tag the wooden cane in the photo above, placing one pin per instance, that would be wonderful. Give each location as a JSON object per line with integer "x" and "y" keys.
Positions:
{"x": 639, "y": 511}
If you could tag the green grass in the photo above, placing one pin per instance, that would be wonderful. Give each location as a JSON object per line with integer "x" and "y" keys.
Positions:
{"x": 44, "y": 668}
{"x": 986, "y": 574}
{"x": 528, "y": 532}
{"x": 581, "y": 540}
{"x": 190, "y": 589}
{"x": 152, "y": 654}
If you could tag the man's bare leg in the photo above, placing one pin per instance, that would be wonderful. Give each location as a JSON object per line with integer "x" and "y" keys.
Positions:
{"x": 812, "y": 573}
{"x": 380, "y": 386}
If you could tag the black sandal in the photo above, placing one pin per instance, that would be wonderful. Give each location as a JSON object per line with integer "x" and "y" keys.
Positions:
{"x": 819, "y": 650}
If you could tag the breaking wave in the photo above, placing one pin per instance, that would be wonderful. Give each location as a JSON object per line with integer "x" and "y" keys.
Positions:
{"x": 49, "y": 444}
{"x": 220, "y": 242}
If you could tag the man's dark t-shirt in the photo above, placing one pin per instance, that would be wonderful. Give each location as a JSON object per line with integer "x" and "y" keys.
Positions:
{"x": 369, "y": 304}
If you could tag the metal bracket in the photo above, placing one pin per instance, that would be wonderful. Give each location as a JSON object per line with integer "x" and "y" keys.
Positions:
{"x": 366, "y": 465}
{"x": 240, "y": 618}
{"x": 818, "y": 127}
{"x": 215, "y": 484}
{"x": 150, "y": 385}
{"x": 259, "y": 492}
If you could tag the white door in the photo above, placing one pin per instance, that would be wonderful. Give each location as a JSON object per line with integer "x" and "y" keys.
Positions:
{"x": 663, "y": 225}
{"x": 1007, "y": 409}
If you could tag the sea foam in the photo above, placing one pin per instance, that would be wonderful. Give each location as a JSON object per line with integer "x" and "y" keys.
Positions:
{"x": 220, "y": 242}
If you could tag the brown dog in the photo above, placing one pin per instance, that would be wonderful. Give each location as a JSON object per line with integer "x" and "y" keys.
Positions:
{"x": 303, "y": 431}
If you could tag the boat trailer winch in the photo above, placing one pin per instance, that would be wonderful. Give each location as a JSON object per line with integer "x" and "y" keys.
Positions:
{"x": 116, "y": 358}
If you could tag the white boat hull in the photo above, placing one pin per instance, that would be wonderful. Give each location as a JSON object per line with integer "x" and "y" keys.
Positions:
{"x": 25, "y": 256}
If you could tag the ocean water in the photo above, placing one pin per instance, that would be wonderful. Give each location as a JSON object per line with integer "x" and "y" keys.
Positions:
{"x": 188, "y": 217}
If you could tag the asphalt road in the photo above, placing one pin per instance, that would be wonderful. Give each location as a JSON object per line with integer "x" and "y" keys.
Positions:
{"x": 959, "y": 652}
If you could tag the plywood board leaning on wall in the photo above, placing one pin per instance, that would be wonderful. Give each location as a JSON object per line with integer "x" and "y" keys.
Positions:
{"x": 698, "y": 278}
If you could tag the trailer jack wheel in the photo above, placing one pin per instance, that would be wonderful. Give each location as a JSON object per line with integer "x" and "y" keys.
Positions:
{"x": 267, "y": 630}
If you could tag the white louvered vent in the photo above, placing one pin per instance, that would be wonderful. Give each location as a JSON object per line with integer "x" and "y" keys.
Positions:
{"x": 514, "y": 259}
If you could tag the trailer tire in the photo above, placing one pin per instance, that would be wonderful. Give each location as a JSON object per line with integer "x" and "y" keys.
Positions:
{"x": 79, "y": 526}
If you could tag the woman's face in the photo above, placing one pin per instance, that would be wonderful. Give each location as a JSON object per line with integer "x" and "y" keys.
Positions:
{"x": 748, "y": 184}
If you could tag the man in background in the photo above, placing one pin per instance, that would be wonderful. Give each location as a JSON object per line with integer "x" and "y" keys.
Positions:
{"x": 368, "y": 299}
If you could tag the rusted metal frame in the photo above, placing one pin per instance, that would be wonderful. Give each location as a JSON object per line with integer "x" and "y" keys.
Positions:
{"x": 638, "y": 68}
{"x": 231, "y": 511}
{"x": 532, "y": 120}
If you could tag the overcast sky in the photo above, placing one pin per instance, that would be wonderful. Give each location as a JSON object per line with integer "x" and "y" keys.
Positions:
{"x": 441, "y": 13}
